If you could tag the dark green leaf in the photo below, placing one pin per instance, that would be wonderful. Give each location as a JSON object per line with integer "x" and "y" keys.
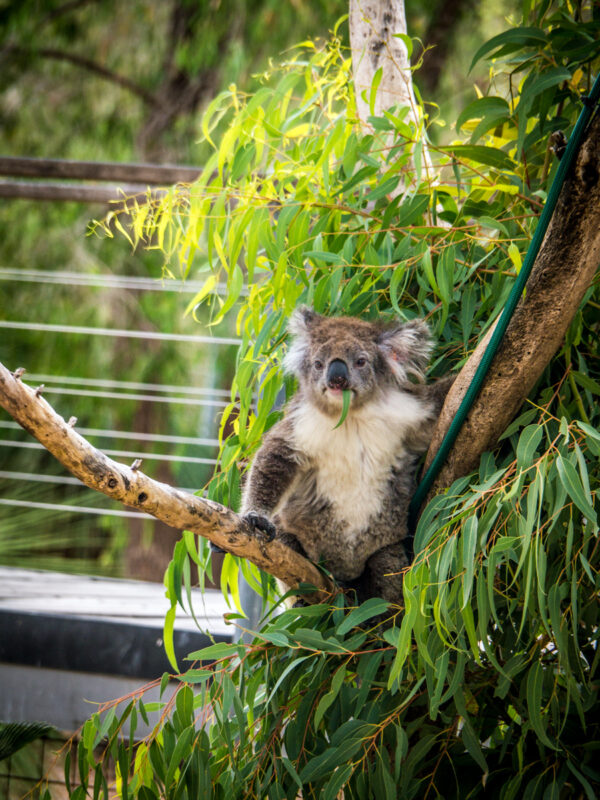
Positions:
{"x": 322, "y": 765}
{"x": 371, "y": 608}
{"x": 589, "y": 384}
{"x": 214, "y": 652}
{"x": 313, "y": 640}
{"x": 338, "y": 780}
{"x": 483, "y": 107}
{"x": 535, "y": 680}
{"x": 523, "y": 36}
{"x": 572, "y": 483}
{"x": 529, "y": 440}
{"x": 545, "y": 80}
{"x": 490, "y": 156}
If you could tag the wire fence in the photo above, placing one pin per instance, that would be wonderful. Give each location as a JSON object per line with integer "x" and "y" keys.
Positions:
{"x": 15, "y": 444}
{"x": 107, "y": 281}
{"x": 135, "y": 435}
{"x": 157, "y": 336}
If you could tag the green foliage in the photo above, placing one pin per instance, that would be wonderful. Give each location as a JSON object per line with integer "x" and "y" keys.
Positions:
{"x": 15, "y": 735}
{"x": 485, "y": 682}
{"x": 316, "y": 702}
{"x": 108, "y": 67}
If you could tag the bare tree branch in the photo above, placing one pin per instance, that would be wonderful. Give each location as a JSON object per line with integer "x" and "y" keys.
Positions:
{"x": 87, "y": 64}
{"x": 131, "y": 487}
{"x": 65, "y": 8}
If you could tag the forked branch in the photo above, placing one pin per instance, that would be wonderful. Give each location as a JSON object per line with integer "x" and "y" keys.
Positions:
{"x": 562, "y": 274}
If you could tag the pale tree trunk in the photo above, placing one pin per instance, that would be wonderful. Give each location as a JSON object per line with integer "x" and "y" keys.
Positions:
{"x": 374, "y": 46}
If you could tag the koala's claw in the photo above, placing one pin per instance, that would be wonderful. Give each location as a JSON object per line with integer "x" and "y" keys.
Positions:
{"x": 262, "y": 524}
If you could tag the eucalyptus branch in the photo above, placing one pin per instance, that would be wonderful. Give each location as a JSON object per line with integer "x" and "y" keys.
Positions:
{"x": 131, "y": 487}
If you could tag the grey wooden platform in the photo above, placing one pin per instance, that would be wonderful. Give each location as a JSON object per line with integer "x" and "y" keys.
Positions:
{"x": 107, "y": 599}
{"x": 66, "y": 640}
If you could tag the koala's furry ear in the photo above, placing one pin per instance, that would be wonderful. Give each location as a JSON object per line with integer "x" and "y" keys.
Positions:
{"x": 302, "y": 321}
{"x": 406, "y": 348}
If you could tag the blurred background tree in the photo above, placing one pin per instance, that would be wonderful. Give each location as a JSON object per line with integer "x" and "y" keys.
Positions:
{"x": 97, "y": 80}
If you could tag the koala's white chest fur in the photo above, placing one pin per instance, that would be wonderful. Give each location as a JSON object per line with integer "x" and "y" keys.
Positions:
{"x": 353, "y": 462}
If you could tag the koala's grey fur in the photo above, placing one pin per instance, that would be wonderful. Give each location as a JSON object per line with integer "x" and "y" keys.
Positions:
{"x": 341, "y": 495}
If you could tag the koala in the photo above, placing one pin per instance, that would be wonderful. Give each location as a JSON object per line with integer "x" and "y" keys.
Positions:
{"x": 340, "y": 495}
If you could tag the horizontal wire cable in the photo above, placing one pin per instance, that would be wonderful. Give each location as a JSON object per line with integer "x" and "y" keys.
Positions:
{"x": 115, "y": 384}
{"x": 34, "y": 477}
{"x": 63, "y": 277}
{"x": 110, "y": 512}
{"x": 142, "y": 437}
{"x": 148, "y": 398}
{"x": 105, "y": 280}
{"x": 119, "y": 333}
{"x": 119, "y": 453}
{"x": 108, "y": 281}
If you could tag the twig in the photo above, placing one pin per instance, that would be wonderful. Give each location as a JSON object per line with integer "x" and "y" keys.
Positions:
{"x": 89, "y": 65}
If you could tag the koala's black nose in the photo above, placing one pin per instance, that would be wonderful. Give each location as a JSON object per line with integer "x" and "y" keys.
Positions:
{"x": 337, "y": 375}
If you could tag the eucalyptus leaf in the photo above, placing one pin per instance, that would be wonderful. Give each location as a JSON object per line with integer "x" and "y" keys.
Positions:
{"x": 523, "y": 36}
{"x": 346, "y": 400}
{"x": 369, "y": 609}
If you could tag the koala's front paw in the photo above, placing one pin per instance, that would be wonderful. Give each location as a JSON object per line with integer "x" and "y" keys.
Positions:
{"x": 262, "y": 524}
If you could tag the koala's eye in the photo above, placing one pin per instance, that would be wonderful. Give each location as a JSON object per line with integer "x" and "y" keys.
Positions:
{"x": 360, "y": 362}
{"x": 318, "y": 364}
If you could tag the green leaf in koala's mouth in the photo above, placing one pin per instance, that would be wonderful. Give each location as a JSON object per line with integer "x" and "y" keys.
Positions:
{"x": 346, "y": 397}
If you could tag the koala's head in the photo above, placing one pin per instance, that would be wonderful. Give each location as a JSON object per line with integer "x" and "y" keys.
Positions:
{"x": 330, "y": 354}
